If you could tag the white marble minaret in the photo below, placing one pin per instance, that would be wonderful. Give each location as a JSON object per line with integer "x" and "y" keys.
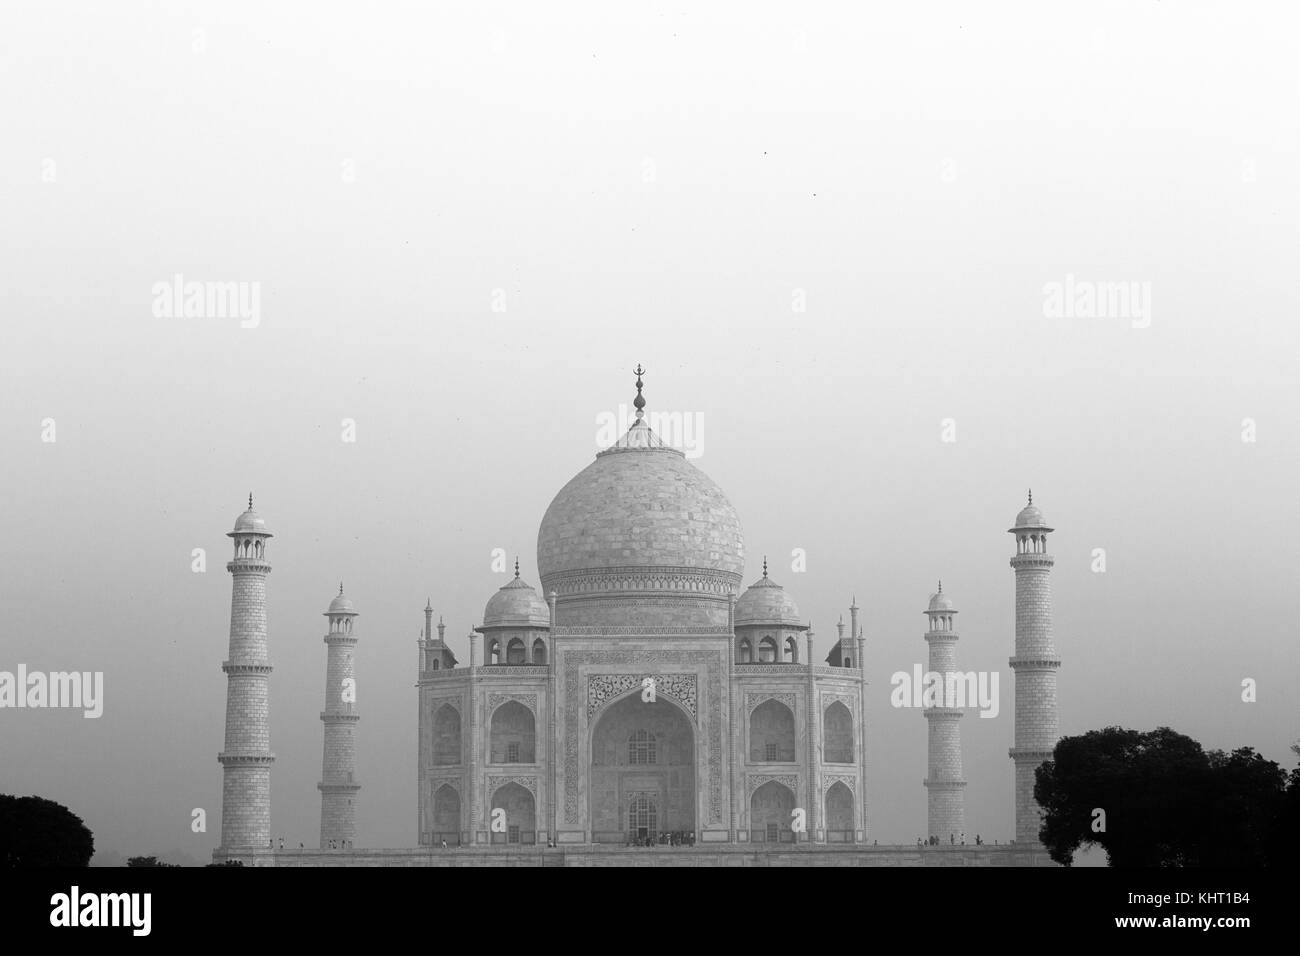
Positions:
{"x": 338, "y": 787}
{"x": 944, "y": 784}
{"x": 246, "y": 759}
{"x": 1035, "y": 664}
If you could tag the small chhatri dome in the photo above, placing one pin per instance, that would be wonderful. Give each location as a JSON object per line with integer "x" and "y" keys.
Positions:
{"x": 341, "y": 604}
{"x": 250, "y": 521}
{"x": 517, "y": 605}
{"x": 939, "y": 601}
{"x": 765, "y": 602}
{"x": 1030, "y": 516}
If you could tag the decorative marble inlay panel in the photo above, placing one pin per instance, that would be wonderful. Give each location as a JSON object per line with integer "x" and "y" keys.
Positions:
{"x": 849, "y": 780}
{"x": 772, "y": 670}
{"x": 638, "y": 630}
{"x": 436, "y": 704}
{"x": 528, "y": 700}
{"x": 529, "y": 783}
{"x": 753, "y": 700}
{"x": 707, "y": 581}
{"x": 755, "y": 780}
{"x": 709, "y": 723}
{"x": 603, "y": 688}
{"x": 848, "y": 700}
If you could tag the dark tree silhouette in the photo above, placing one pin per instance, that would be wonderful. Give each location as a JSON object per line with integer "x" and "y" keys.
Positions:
{"x": 1167, "y": 801}
{"x": 39, "y": 832}
{"x": 147, "y": 861}
{"x": 1285, "y": 845}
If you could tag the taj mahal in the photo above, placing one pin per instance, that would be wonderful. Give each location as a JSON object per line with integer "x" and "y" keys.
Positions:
{"x": 640, "y": 703}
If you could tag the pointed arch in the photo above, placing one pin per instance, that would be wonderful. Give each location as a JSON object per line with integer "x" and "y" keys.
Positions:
{"x": 515, "y": 653}
{"x": 513, "y": 734}
{"x": 771, "y": 733}
{"x": 839, "y": 813}
{"x": 446, "y": 816}
{"x": 770, "y": 813}
{"x": 837, "y": 734}
{"x": 446, "y": 736}
{"x": 520, "y": 814}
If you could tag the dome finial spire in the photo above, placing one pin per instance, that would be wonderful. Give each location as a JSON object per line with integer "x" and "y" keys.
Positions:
{"x": 941, "y": 585}
{"x": 250, "y": 501}
{"x": 516, "y": 565}
{"x": 1031, "y": 496}
{"x": 639, "y": 401}
{"x": 340, "y": 587}
{"x": 764, "y": 565}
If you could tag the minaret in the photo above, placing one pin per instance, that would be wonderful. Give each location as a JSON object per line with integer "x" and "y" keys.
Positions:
{"x": 944, "y": 784}
{"x": 338, "y": 787}
{"x": 1034, "y": 664}
{"x": 246, "y": 758}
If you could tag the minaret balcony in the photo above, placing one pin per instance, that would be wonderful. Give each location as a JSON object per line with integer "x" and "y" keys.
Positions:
{"x": 942, "y": 713}
{"x": 248, "y": 566}
{"x": 1030, "y": 753}
{"x": 338, "y": 787}
{"x": 246, "y": 668}
{"x": 1032, "y": 559}
{"x": 254, "y": 759}
{"x": 1035, "y": 662}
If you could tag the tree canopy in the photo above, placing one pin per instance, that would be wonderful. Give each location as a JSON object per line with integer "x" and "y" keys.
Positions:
{"x": 35, "y": 832}
{"x": 1159, "y": 799}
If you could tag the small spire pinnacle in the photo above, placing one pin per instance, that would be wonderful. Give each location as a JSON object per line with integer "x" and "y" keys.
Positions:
{"x": 1031, "y": 496}
{"x": 428, "y": 604}
{"x": 639, "y": 401}
{"x": 250, "y": 501}
{"x": 340, "y": 589}
{"x": 764, "y": 565}
{"x": 516, "y": 565}
{"x": 941, "y": 585}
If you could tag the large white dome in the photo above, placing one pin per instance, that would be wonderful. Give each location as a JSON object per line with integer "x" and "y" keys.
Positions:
{"x": 640, "y": 522}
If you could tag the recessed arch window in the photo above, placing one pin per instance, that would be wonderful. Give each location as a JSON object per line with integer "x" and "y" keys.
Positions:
{"x": 771, "y": 733}
{"x": 643, "y": 816}
{"x": 446, "y": 736}
{"x": 837, "y": 734}
{"x": 641, "y": 748}
{"x": 513, "y": 734}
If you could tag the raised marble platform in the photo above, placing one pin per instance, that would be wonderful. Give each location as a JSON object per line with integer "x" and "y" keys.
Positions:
{"x": 978, "y": 856}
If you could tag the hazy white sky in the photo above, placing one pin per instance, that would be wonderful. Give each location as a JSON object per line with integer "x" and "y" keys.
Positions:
{"x": 654, "y": 184}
